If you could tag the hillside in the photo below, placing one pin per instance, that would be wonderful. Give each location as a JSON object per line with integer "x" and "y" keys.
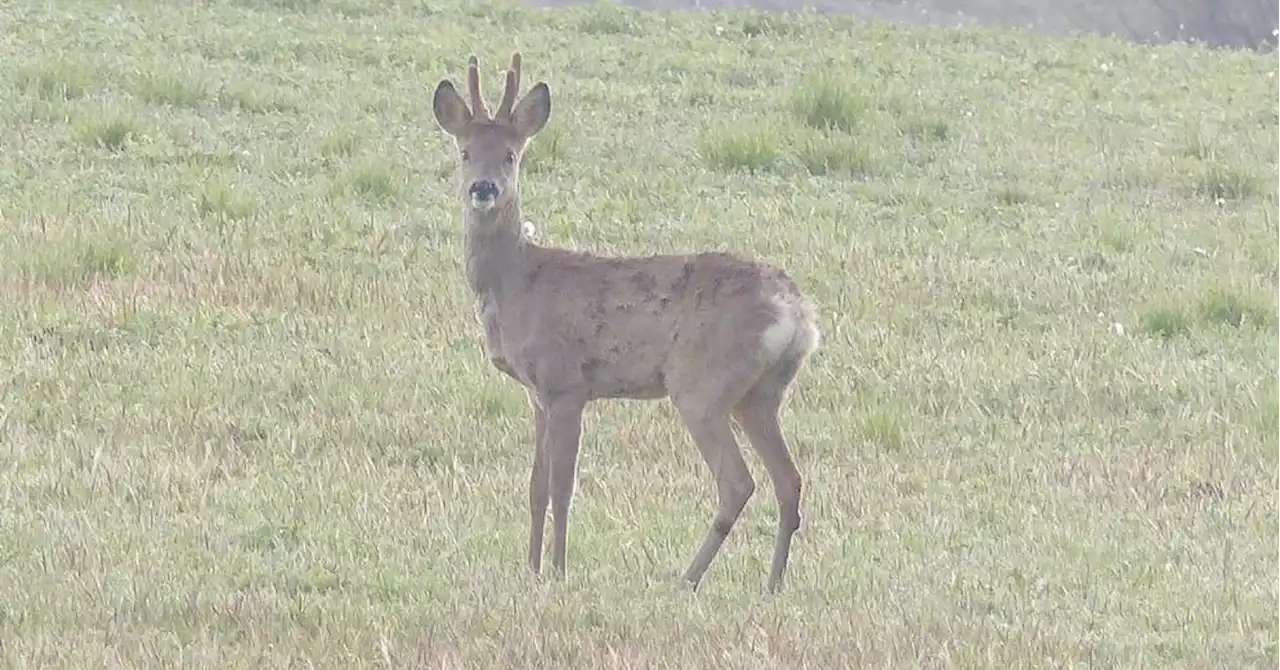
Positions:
{"x": 245, "y": 420}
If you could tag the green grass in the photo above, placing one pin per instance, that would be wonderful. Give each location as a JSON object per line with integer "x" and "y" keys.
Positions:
{"x": 1217, "y": 306}
{"x": 372, "y": 180}
{"x": 106, "y": 130}
{"x": 173, "y": 88}
{"x": 547, "y": 151}
{"x": 76, "y": 262}
{"x": 55, "y": 80}
{"x": 246, "y": 420}
{"x": 1167, "y": 320}
{"x": 753, "y": 148}
{"x": 223, "y": 201}
{"x": 1218, "y": 184}
{"x": 926, "y": 127}
{"x": 827, "y": 102}
{"x": 835, "y": 154}
{"x": 1227, "y": 307}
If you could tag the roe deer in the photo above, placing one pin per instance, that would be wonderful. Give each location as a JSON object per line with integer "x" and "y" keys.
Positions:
{"x": 720, "y": 335}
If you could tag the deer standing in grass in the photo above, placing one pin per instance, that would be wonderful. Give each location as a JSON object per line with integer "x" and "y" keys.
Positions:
{"x": 722, "y": 336}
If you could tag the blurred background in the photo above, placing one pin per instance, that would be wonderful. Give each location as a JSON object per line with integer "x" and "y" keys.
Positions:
{"x": 1249, "y": 24}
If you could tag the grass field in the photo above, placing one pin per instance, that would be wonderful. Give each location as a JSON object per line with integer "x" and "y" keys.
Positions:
{"x": 245, "y": 418}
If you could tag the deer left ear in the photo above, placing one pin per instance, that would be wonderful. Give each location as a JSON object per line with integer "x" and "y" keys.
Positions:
{"x": 533, "y": 111}
{"x": 450, "y": 111}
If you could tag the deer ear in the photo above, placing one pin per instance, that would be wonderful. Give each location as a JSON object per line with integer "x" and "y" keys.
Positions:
{"x": 533, "y": 111}
{"x": 451, "y": 112}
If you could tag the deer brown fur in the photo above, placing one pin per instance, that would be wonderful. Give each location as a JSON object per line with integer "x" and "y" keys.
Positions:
{"x": 720, "y": 335}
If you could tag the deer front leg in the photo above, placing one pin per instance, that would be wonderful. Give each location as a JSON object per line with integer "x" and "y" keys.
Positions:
{"x": 539, "y": 483}
{"x": 560, "y": 448}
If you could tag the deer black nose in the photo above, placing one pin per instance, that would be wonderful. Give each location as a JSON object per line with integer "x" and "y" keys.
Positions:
{"x": 484, "y": 190}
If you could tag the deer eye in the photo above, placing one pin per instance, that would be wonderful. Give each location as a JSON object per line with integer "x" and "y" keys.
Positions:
{"x": 511, "y": 158}
{"x": 466, "y": 155}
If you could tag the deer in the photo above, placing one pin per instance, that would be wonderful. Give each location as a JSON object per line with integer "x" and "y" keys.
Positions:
{"x": 722, "y": 336}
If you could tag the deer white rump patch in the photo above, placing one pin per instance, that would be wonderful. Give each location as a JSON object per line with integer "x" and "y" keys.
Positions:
{"x": 777, "y": 337}
{"x": 791, "y": 330}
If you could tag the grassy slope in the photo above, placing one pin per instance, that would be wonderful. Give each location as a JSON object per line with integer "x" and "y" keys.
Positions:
{"x": 246, "y": 420}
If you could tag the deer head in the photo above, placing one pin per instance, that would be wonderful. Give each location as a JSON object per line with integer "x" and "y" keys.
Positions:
{"x": 490, "y": 147}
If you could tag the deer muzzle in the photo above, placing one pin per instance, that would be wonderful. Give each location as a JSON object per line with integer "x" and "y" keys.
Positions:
{"x": 483, "y": 193}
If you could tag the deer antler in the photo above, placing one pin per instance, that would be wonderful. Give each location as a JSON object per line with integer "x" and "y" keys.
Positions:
{"x": 512, "y": 88}
{"x": 473, "y": 87}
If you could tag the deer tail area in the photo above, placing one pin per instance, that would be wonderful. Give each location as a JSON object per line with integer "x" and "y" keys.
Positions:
{"x": 794, "y": 334}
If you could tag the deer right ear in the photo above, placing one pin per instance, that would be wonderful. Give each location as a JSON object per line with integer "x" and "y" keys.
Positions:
{"x": 532, "y": 113}
{"x": 451, "y": 112}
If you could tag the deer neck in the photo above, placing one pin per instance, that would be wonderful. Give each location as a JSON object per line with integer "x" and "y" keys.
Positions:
{"x": 495, "y": 249}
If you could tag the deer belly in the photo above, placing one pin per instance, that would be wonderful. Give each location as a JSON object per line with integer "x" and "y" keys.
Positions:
{"x": 623, "y": 379}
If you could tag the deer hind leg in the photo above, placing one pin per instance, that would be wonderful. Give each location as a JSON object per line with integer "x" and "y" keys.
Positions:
{"x": 705, "y": 411}
{"x": 757, "y": 413}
